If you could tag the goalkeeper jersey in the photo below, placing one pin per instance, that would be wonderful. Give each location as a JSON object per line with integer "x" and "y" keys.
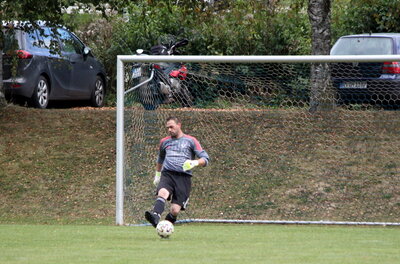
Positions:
{"x": 174, "y": 152}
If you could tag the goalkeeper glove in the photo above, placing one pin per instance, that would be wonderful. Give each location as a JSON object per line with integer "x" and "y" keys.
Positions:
{"x": 190, "y": 164}
{"x": 157, "y": 178}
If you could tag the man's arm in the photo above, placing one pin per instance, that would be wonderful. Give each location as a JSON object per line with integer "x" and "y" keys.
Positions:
{"x": 190, "y": 164}
{"x": 158, "y": 166}
{"x": 202, "y": 155}
{"x": 157, "y": 177}
{"x": 202, "y": 162}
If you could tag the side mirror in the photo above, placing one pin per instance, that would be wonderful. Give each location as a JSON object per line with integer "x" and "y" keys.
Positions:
{"x": 86, "y": 51}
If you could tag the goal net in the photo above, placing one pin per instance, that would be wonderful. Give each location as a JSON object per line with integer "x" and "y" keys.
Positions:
{"x": 290, "y": 138}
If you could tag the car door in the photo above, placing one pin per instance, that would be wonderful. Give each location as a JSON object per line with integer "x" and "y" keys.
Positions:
{"x": 59, "y": 66}
{"x": 81, "y": 68}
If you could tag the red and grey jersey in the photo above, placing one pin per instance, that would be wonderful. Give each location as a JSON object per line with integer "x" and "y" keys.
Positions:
{"x": 174, "y": 152}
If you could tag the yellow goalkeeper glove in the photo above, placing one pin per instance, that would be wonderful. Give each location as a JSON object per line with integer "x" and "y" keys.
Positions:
{"x": 190, "y": 164}
{"x": 157, "y": 178}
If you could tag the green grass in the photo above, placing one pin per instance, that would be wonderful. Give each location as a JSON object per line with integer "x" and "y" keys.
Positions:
{"x": 195, "y": 243}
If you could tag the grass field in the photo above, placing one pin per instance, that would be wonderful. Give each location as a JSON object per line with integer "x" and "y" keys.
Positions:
{"x": 196, "y": 243}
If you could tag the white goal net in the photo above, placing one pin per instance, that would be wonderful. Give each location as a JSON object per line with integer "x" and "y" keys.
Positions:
{"x": 302, "y": 139}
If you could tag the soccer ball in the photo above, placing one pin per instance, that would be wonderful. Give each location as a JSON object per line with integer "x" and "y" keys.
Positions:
{"x": 165, "y": 229}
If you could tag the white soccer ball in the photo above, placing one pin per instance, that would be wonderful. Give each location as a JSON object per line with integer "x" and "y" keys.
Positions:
{"x": 165, "y": 228}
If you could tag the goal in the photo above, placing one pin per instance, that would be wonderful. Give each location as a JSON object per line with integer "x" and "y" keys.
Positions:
{"x": 291, "y": 139}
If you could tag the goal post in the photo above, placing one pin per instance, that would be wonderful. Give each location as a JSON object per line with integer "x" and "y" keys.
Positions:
{"x": 274, "y": 157}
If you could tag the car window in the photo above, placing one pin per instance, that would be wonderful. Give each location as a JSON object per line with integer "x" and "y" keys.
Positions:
{"x": 48, "y": 39}
{"x": 363, "y": 46}
{"x": 79, "y": 46}
{"x": 10, "y": 40}
{"x": 70, "y": 44}
{"x": 32, "y": 40}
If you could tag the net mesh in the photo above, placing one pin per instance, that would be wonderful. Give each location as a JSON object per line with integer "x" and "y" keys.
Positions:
{"x": 284, "y": 144}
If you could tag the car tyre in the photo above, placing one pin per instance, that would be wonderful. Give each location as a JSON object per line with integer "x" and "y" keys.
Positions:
{"x": 98, "y": 93}
{"x": 40, "y": 96}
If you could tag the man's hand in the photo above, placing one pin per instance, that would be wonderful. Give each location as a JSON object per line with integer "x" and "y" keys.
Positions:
{"x": 157, "y": 178}
{"x": 190, "y": 164}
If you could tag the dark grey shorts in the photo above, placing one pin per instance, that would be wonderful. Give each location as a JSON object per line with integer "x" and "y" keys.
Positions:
{"x": 178, "y": 185}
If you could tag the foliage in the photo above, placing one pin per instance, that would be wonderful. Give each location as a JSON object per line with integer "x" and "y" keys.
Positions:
{"x": 365, "y": 16}
{"x": 232, "y": 27}
{"x": 97, "y": 33}
{"x": 228, "y": 28}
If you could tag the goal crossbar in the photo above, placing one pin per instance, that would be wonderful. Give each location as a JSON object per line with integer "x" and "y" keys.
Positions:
{"x": 260, "y": 59}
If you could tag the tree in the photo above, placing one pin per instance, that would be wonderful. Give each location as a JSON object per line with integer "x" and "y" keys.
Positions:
{"x": 365, "y": 16}
{"x": 319, "y": 12}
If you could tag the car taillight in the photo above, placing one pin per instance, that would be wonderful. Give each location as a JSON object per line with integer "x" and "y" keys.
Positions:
{"x": 16, "y": 85}
{"x": 23, "y": 54}
{"x": 391, "y": 67}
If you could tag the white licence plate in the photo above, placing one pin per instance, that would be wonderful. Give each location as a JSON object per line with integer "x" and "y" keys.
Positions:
{"x": 353, "y": 85}
{"x": 136, "y": 72}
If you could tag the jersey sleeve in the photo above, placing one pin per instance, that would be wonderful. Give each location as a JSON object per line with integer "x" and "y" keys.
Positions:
{"x": 161, "y": 151}
{"x": 199, "y": 151}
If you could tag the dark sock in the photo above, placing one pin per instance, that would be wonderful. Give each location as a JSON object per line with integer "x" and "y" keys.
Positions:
{"x": 170, "y": 217}
{"x": 159, "y": 205}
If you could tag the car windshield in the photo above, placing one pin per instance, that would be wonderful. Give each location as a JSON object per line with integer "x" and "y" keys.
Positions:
{"x": 363, "y": 46}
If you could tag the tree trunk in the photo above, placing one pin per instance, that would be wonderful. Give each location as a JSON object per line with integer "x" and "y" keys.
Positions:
{"x": 3, "y": 102}
{"x": 322, "y": 94}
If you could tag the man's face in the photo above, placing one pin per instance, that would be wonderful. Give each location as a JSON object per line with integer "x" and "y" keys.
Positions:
{"x": 174, "y": 129}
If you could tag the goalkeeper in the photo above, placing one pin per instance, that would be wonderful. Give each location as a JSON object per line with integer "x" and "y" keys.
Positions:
{"x": 176, "y": 159}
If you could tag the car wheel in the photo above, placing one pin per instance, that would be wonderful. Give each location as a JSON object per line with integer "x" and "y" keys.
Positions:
{"x": 40, "y": 97}
{"x": 98, "y": 93}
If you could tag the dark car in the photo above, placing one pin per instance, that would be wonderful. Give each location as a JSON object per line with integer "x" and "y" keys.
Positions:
{"x": 367, "y": 82}
{"x": 51, "y": 63}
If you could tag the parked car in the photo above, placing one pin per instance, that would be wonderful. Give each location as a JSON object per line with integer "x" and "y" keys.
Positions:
{"x": 369, "y": 82}
{"x": 52, "y": 63}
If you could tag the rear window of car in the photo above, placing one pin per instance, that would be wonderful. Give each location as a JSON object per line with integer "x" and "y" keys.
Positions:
{"x": 363, "y": 46}
{"x": 10, "y": 40}
{"x": 31, "y": 39}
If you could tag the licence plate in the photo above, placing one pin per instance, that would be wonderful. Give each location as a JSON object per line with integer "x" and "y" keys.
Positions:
{"x": 353, "y": 85}
{"x": 136, "y": 72}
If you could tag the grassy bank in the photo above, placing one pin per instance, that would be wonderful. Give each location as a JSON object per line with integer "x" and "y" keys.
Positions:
{"x": 58, "y": 165}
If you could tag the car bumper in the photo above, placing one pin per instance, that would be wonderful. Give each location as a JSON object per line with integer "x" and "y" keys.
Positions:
{"x": 367, "y": 90}
{"x": 18, "y": 86}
